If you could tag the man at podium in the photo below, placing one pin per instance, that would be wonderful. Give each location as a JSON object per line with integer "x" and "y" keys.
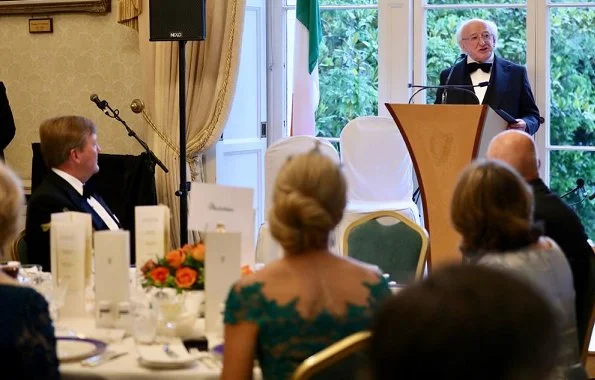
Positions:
{"x": 488, "y": 79}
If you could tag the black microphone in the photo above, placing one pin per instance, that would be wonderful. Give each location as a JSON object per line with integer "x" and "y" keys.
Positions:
{"x": 580, "y": 183}
{"x": 101, "y": 104}
{"x": 444, "y": 92}
{"x": 456, "y": 87}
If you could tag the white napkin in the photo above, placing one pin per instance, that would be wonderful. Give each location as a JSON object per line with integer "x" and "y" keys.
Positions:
{"x": 157, "y": 353}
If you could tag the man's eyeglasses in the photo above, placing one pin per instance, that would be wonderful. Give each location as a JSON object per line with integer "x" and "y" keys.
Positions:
{"x": 486, "y": 36}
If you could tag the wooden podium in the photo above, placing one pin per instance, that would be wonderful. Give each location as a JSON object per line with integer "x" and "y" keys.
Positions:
{"x": 442, "y": 140}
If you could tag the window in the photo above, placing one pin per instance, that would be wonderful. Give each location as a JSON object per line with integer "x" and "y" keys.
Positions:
{"x": 571, "y": 137}
{"x": 347, "y": 66}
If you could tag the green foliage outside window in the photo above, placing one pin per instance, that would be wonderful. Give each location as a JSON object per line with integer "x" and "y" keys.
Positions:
{"x": 348, "y": 67}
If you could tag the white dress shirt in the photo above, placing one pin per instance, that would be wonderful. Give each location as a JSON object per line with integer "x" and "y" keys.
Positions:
{"x": 99, "y": 209}
{"x": 480, "y": 76}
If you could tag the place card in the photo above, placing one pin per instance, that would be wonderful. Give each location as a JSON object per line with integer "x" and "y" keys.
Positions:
{"x": 112, "y": 262}
{"x": 222, "y": 270}
{"x": 70, "y": 250}
{"x": 232, "y": 207}
{"x": 151, "y": 237}
{"x": 84, "y": 220}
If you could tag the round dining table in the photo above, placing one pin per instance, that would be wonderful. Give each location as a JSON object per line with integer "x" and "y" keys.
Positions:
{"x": 127, "y": 366}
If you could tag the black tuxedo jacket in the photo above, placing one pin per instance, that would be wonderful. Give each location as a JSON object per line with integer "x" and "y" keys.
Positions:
{"x": 508, "y": 90}
{"x": 7, "y": 128}
{"x": 54, "y": 195}
{"x": 563, "y": 225}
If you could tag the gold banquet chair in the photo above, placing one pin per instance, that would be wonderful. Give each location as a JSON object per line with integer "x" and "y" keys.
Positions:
{"x": 18, "y": 248}
{"x": 345, "y": 359}
{"x": 389, "y": 240}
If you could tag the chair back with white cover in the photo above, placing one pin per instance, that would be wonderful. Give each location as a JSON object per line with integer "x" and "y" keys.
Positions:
{"x": 346, "y": 359}
{"x": 390, "y": 241}
{"x": 375, "y": 160}
{"x": 278, "y": 153}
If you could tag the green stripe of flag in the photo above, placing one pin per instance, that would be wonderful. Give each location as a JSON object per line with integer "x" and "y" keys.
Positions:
{"x": 308, "y": 13}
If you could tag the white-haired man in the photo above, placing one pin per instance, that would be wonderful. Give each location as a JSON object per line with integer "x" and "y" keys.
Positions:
{"x": 508, "y": 87}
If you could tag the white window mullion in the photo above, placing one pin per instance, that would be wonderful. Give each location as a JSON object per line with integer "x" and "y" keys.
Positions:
{"x": 276, "y": 68}
{"x": 539, "y": 46}
{"x": 395, "y": 55}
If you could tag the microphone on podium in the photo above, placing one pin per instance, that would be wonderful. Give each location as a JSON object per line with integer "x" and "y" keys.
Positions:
{"x": 455, "y": 87}
{"x": 459, "y": 58}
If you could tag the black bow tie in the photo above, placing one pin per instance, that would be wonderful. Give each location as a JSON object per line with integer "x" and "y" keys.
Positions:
{"x": 474, "y": 66}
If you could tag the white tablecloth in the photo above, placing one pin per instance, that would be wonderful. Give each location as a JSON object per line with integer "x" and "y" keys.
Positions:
{"x": 126, "y": 367}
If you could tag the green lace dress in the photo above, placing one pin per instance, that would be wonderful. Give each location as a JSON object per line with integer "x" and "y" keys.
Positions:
{"x": 285, "y": 338}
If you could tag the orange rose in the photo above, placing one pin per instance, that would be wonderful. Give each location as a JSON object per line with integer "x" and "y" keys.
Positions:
{"x": 185, "y": 277}
{"x": 175, "y": 258}
{"x": 159, "y": 274}
{"x": 150, "y": 264}
{"x": 198, "y": 252}
{"x": 246, "y": 270}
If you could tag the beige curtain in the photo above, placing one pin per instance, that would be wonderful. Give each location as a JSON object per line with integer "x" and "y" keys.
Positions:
{"x": 128, "y": 12}
{"x": 211, "y": 72}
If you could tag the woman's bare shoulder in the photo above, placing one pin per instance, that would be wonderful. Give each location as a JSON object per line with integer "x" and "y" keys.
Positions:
{"x": 267, "y": 273}
{"x": 368, "y": 272}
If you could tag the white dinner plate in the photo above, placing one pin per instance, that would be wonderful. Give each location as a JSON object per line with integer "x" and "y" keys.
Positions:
{"x": 153, "y": 356}
{"x": 74, "y": 349}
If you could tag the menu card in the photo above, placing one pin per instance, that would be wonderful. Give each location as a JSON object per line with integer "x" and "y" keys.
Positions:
{"x": 70, "y": 249}
{"x": 151, "y": 232}
{"x": 222, "y": 270}
{"x": 112, "y": 260}
{"x": 212, "y": 204}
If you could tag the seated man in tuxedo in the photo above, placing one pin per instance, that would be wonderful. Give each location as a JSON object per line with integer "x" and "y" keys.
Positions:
{"x": 560, "y": 222}
{"x": 69, "y": 147}
{"x": 508, "y": 87}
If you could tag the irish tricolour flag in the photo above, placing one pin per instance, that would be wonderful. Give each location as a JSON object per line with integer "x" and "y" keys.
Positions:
{"x": 308, "y": 34}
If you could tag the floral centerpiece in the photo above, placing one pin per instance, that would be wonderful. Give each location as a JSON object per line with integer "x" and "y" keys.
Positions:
{"x": 181, "y": 269}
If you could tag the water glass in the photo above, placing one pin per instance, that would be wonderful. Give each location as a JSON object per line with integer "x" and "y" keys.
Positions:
{"x": 144, "y": 326}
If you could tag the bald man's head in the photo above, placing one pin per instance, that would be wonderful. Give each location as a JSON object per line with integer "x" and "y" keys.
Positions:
{"x": 517, "y": 149}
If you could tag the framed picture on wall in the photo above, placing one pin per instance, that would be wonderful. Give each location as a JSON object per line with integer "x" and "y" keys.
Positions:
{"x": 29, "y": 7}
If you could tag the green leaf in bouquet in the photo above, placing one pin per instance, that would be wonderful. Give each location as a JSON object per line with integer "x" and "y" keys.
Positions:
{"x": 170, "y": 281}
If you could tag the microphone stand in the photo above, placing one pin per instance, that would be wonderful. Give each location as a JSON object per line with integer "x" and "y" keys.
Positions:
{"x": 184, "y": 185}
{"x": 464, "y": 88}
{"x": 115, "y": 114}
{"x": 580, "y": 184}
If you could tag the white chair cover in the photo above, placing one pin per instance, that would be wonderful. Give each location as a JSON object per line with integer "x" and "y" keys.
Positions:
{"x": 267, "y": 249}
{"x": 375, "y": 160}
{"x": 277, "y": 154}
{"x": 378, "y": 169}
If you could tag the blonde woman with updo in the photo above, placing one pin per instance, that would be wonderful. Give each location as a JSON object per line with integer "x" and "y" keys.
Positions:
{"x": 310, "y": 298}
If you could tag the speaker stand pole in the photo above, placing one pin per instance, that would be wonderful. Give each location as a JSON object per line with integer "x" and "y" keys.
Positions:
{"x": 184, "y": 185}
